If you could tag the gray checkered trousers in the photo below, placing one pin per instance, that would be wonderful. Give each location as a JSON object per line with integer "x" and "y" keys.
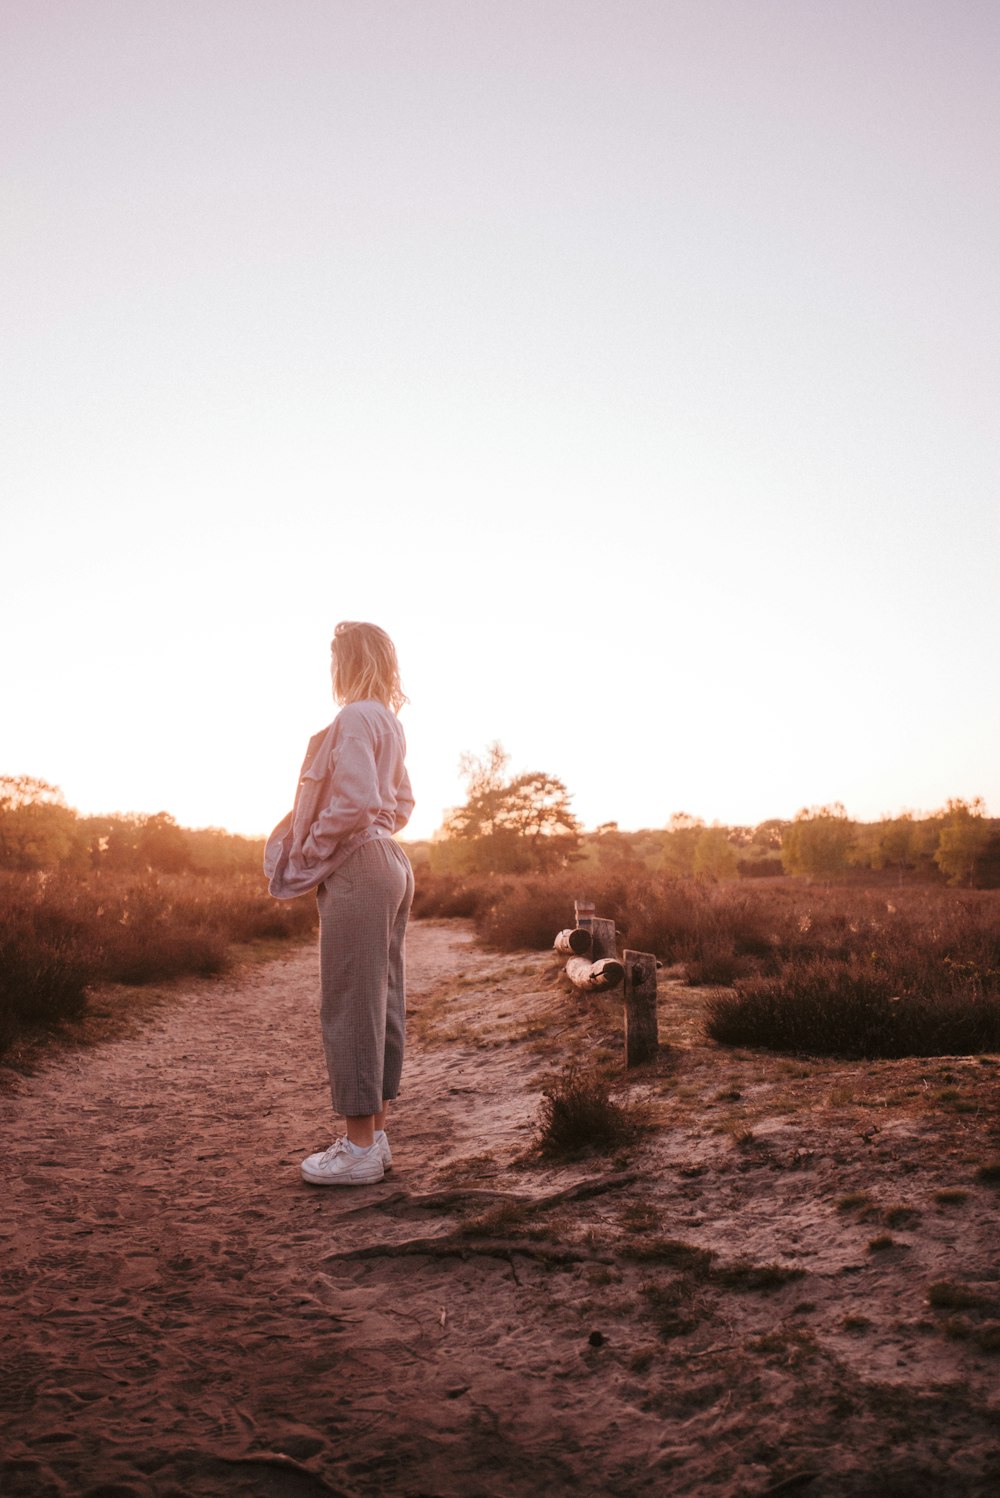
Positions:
{"x": 363, "y": 910}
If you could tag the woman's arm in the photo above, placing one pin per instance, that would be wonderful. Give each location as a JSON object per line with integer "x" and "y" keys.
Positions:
{"x": 404, "y": 802}
{"x": 353, "y": 803}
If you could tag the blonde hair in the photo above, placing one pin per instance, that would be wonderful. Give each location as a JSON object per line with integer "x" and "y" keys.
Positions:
{"x": 365, "y": 665}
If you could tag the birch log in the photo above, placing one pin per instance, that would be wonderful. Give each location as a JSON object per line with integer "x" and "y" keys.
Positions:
{"x": 594, "y": 976}
{"x": 575, "y": 942}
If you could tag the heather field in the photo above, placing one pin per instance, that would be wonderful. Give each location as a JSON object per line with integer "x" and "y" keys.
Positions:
{"x": 846, "y": 970}
{"x": 63, "y": 934}
{"x": 841, "y": 970}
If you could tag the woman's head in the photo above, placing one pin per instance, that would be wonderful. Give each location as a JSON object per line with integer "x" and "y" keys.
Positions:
{"x": 363, "y": 665}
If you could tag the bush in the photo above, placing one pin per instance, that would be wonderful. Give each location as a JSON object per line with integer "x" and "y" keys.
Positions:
{"x": 825, "y": 1007}
{"x": 60, "y": 933}
{"x": 41, "y": 982}
{"x": 578, "y": 1114}
{"x": 849, "y": 971}
{"x": 443, "y": 895}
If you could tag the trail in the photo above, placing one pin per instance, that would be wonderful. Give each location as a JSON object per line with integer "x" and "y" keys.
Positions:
{"x": 707, "y": 1316}
{"x": 168, "y": 1323}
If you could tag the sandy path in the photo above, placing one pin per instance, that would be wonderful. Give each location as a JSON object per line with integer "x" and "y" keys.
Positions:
{"x": 165, "y": 1311}
{"x": 174, "y": 1325}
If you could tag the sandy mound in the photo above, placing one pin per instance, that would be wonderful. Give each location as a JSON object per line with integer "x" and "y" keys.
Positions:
{"x": 740, "y": 1304}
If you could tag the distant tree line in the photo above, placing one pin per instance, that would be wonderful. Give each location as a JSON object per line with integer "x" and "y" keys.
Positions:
{"x": 524, "y": 823}
{"x": 39, "y": 831}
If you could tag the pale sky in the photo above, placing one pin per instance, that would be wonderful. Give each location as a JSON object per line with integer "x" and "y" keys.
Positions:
{"x": 635, "y": 363}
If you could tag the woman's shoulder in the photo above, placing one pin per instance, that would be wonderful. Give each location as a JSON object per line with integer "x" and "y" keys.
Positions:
{"x": 366, "y": 716}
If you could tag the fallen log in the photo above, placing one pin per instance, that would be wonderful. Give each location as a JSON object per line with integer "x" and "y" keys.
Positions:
{"x": 595, "y": 977}
{"x": 576, "y": 941}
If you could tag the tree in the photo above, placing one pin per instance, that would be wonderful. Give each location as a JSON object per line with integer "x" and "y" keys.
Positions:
{"x": 679, "y": 844}
{"x": 818, "y": 841}
{"x": 37, "y": 828}
{"x": 163, "y": 845}
{"x": 715, "y": 857}
{"x": 510, "y": 825}
{"x": 964, "y": 837}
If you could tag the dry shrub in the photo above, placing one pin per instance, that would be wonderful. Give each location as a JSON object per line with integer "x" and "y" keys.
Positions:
{"x": 62, "y": 932}
{"x": 444, "y": 895}
{"x": 579, "y": 1114}
{"x": 526, "y": 913}
{"x": 42, "y": 981}
{"x": 849, "y": 971}
{"x": 853, "y": 1009}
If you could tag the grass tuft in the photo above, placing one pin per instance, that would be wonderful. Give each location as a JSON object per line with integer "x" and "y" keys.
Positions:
{"x": 579, "y": 1114}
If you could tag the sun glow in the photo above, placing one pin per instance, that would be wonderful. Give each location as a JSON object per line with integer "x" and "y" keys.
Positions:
{"x": 645, "y": 397}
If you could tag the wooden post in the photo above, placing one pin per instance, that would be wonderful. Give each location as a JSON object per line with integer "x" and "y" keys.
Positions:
{"x": 641, "y": 1040}
{"x": 603, "y": 933}
{"x": 583, "y": 913}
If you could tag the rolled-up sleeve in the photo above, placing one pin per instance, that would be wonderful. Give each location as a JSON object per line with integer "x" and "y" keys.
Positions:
{"x": 353, "y": 803}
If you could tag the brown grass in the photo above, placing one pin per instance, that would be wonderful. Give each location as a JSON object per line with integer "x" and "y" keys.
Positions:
{"x": 62, "y": 934}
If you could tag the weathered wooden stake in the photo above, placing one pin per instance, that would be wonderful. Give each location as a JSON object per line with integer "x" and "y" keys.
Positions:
{"x": 583, "y": 913}
{"x": 641, "y": 1040}
{"x": 603, "y": 934}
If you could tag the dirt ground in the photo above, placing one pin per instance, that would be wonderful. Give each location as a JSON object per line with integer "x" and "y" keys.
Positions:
{"x": 790, "y": 1283}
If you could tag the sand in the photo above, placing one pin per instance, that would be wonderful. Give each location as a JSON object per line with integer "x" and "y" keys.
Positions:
{"x": 181, "y": 1315}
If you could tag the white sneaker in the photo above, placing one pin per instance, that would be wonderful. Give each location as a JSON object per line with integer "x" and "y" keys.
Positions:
{"x": 340, "y": 1166}
{"x": 382, "y": 1140}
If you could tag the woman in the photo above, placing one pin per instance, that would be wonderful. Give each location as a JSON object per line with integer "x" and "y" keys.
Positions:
{"x": 353, "y": 794}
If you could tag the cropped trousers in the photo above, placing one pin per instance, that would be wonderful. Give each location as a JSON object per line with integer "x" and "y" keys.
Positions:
{"x": 363, "y": 909}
